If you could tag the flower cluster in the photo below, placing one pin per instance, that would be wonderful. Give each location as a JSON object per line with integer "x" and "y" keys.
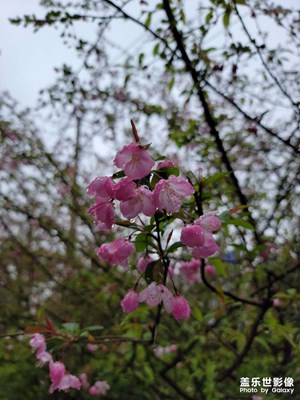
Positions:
{"x": 135, "y": 198}
{"x": 60, "y": 378}
{"x": 99, "y": 388}
{"x": 150, "y": 193}
{"x": 153, "y": 295}
{"x": 199, "y": 237}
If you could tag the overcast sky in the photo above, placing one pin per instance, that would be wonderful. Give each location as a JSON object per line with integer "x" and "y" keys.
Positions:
{"x": 27, "y": 59}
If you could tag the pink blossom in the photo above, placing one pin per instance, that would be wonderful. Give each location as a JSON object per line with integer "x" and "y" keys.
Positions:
{"x": 209, "y": 247}
{"x": 160, "y": 350}
{"x": 210, "y": 269}
{"x": 99, "y": 388}
{"x": 165, "y": 164}
{"x": 84, "y": 381}
{"x": 154, "y": 294}
{"x": 134, "y": 160}
{"x": 116, "y": 252}
{"x": 103, "y": 214}
{"x": 168, "y": 193}
{"x": 124, "y": 189}
{"x": 62, "y": 380}
{"x": 192, "y": 235}
{"x": 143, "y": 262}
{"x": 277, "y": 303}
{"x": 209, "y": 221}
{"x": 191, "y": 270}
{"x": 101, "y": 188}
{"x": 181, "y": 308}
{"x": 130, "y": 301}
{"x": 142, "y": 202}
{"x": 38, "y": 342}
{"x": 91, "y": 347}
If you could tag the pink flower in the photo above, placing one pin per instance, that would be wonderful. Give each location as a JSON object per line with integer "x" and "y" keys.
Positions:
{"x": 168, "y": 193}
{"x": 134, "y": 160}
{"x": 154, "y": 294}
{"x": 38, "y": 342}
{"x": 124, "y": 189}
{"x": 160, "y": 350}
{"x": 116, "y": 252}
{"x": 62, "y": 380}
{"x": 143, "y": 262}
{"x": 209, "y": 247}
{"x": 209, "y": 221}
{"x": 142, "y": 202}
{"x": 191, "y": 270}
{"x": 84, "y": 381}
{"x": 99, "y": 388}
{"x": 181, "y": 308}
{"x": 199, "y": 235}
{"x": 277, "y": 303}
{"x": 101, "y": 188}
{"x": 210, "y": 269}
{"x": 165, "y": 164}
{"x": 91, "y": 347}
{"x": 130, "y": 301}
{"x": 103, "y": 214}
{"x": 192, "y": 235}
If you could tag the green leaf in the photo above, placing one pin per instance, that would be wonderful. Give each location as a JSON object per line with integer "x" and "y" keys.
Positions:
{"x": 154, "y": 272}
{"x": 156, "y": 49}
{"x": 240, "y": 222}
{"x": 220, "y": 266}
{"x": 209, "y": 16}
{"x": 142, "y": 242}
{"x": 93, "y": 328}
{"x": 198, "y": 313}
{"x": 214, "y": 178}
{"x": 226, "y": 19}
{"x": 148, "y": 20}
{"x": 71, "y": 327}
{"x": 171, "y": 83}
{"x": 175, "y": 246}
{"x": 141, "y": 58}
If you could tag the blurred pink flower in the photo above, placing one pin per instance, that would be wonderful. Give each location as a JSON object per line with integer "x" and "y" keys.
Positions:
{"x": 130, "y": 302}
{"x": 134, "y": 160}
{"x": 116, "y": 252}
{"x": 181, "y": 308}
{"x": 154, "y": 294}
{"x": 209, "y": 247}
{"x": 91, "y": 347}
{"x": 99, "y": 388}
{"x": 277, "y": 303}
{"x": 84, "y": 381}
{"x": 62, "y": 380}
{"x": 210, "y": 269}
{"x": 192, "y": 235}
{"x": 143, "y": 263}
{"x": 209, "y": 221}
{"x": 165, "y": 164}
{"x": 38, "y": 342}
{"x": 103, "y": 214}
{"x": 168, "y": 193}
{"x": 191, "y": 270}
